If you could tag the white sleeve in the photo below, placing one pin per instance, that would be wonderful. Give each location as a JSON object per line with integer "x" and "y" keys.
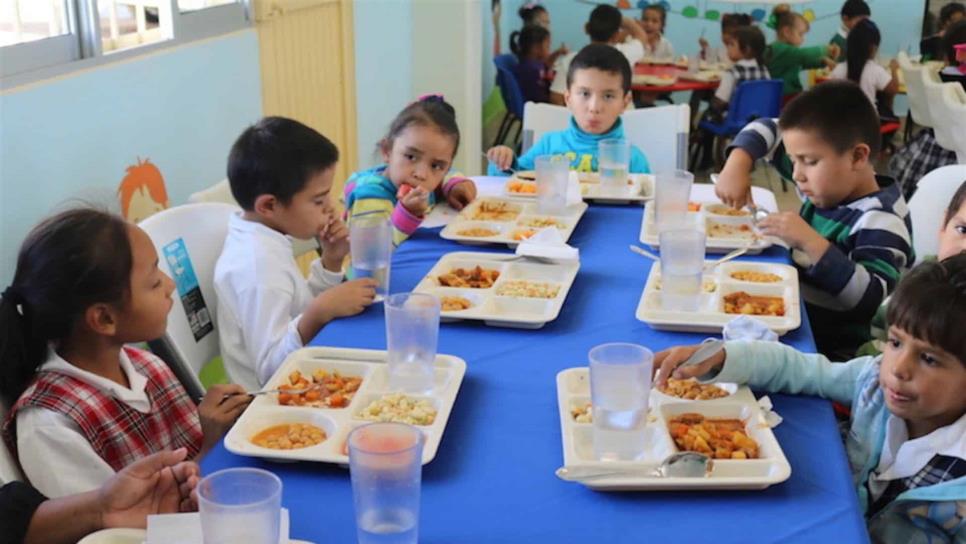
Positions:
{"x": 668, "y": 48}
{"x": 321, "y": 279}
{"x": 839, "y": 72}
{"x": 269, "y": 330}
{"x": 726, "y": 87}
{"x": 633, "y": 50}
{"x": 55, "y": 456}
{"x": 880, "y": 76}
{"x": 559, "y": 83}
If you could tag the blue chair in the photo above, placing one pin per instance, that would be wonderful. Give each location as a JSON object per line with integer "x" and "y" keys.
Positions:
{"x": 512, "y": 97}
{"x": 751, "y": 100}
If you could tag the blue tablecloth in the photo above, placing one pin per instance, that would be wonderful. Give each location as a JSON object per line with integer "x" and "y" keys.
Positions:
{"x": 493, "y": 478}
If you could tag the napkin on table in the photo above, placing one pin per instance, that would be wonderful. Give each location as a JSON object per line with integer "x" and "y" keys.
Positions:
{"x": 548, "y": 243}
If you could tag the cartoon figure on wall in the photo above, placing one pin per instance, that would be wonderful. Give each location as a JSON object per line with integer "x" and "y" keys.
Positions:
{"x": 142, "y": 192}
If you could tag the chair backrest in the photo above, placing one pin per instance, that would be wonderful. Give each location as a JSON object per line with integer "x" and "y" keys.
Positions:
{"x": 509, "y": 87}
{"x": 934, "y": 98}
{"x": 507, "y": 61}
{"x": 754, "y": 100}
{"x": 928, "y": 205}
{"x": 539, "y": 118}
{"x": 953, "y": 108}
{"x": 219, "y": 192}
{"x": 188, "y": 240}
{"x": 916, "y": 93}
{"x": 661, "y": 133}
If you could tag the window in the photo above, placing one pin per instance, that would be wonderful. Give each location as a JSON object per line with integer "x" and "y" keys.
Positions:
{"x": 130, "y": 23}
{"x": 35, "y": 34}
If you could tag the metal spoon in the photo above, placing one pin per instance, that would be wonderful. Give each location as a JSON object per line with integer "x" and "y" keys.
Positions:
{"x": 685, "y": 464}
{"x": 729, "y": 256}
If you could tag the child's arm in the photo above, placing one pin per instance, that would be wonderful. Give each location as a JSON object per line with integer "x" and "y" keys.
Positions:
{"x": 404, "y": 222}
{"x": 757, "y": 140}
{"x": 817, "y": 56}
{"x": 632, "y": 27}
{"x": 458, "y": 190}
{"x": 892, "y": 88}
{"x": 326, "y": 272}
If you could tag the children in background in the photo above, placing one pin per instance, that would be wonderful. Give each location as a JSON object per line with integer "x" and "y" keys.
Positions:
{"x": 860, "y": 67}
{"x": 418, "y": 151}
{"x": 932, "y": 48}
{"x": 653, "y": 21}
{"x": 786, "y": 57}
{"x": 719, "y": 55}
{"x": 852, "y": 12}
{"x": 535, "y": 14}
{"x": 87, "y": 284}
{"x": 532, "y": 48}
{"x": 851, "y": 239}
{"x": 598, "y": 91}
{"x": 603, "y": 27}
{"x": 746, "y": 49}
{"x": 280, "y": 172}
{"x": 907, "y": 438}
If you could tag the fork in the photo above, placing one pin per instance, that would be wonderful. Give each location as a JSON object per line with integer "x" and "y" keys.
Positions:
{"x": 277, "y": 390}
{"x": 542, "y": 260}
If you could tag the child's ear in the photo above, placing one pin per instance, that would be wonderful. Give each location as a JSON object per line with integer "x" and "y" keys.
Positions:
{"x": 385, "y": 147}
{"x": 101, "y": 318}
{"x": 628, "y": 96}
{"x": 567, "y": 97}
{"x": 861, "y": 155}
{"x": 266, "y": 205}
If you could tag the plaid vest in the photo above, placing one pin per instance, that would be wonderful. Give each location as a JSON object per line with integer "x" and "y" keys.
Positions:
{"x": 748, "y": 73}
{"x": 117, "y": 432}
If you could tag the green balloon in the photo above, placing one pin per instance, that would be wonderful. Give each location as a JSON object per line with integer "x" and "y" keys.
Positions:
{"x": 690, "y": 12}
{"x": 712, "y": 15}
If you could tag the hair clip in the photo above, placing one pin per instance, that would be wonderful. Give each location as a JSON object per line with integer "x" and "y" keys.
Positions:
{"x": 529, "y": 5}
{"x": 431, "y": 97}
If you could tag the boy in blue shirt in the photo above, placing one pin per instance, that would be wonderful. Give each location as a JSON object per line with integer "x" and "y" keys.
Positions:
{"x": 598, "y": 91}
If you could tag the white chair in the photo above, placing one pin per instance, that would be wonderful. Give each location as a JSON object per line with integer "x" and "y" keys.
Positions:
{"x": 934, "y": 99}
{"x": 542, "y": 118}
{"x": 928, "y": 204}
{"x": 953, "y": 118}
{"x": 915, "y": 90}
{"x": 200, "y": 229}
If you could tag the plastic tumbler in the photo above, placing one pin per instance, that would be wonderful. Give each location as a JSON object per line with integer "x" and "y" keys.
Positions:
{"x": 671, "y": 198}
{"x": 385, "y": 464}
{"x": 620, "y": 383}
{"x": 370, "y": 243}
{"x": 553, "y": 173}
{"x": 412, "y": 331}
{"x": 240, "y": 505}
{"x": 613, "y": 161}
{"x": 682, "y": 264}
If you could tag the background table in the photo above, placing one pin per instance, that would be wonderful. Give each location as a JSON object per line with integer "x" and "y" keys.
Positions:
{"x": 493, "y": 478}
{"x": 679, "y": 85}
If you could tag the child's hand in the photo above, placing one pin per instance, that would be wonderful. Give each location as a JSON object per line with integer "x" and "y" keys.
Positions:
{"x": 461, "y": 194}
{"x": 345, "y": 299}
{"x": 334, "y": 239}
{"x": 894, "y": 65}
{"x": 794, "y": 231}
{"x": 734, "y": 181}
{"x": 667, "y": 361}
{"x": 703, "y": 43}
{"x": 562, "y": 50}
{"x": 416, "y": 201}
{"x": 834, "y": 51}
{"x": 218, "y": 412}
{"x": 501, "y": 156}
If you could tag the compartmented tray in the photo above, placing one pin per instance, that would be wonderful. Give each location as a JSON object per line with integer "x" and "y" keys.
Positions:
{"x": 503, "y": 303}
{"x": 493, "y": 220}
{"x": 718, "y": 284}
{"x": 725, "y": 231}
{"x": 265, "y": 411}
{"x": 771, "y": 467}
{"x": 640, "y": 188}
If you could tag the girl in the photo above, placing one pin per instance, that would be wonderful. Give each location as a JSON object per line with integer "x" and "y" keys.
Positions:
{"x": 852, "y": 12}
{"x": 418, "y": 152}
{"x": 535, "y": 14}
{"x": 786, "y": 57}
{"x": 932, "y": 47}
{"x": 729, "y": 23}
{"x": 653, "y": 20}
{"x": 87, "y": 405}
{"x": 860, "y": 66}
{"x": 532, "y": 48}
{"x": 746, "y": 49}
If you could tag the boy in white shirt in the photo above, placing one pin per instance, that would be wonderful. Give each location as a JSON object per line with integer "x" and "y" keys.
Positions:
{"x": 280, "y": 172}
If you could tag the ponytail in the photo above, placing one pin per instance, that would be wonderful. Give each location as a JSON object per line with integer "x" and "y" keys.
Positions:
{"x": 858, "y": 47}
{"x": 524, "y": 40}
{"x": 515, "y": 43}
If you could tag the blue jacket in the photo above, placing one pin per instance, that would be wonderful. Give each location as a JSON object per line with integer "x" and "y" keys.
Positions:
{"x": 925, "y": 514}
{"x": 580, "y": 147}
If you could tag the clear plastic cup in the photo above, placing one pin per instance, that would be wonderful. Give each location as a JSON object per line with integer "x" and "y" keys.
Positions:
{"x": 370, "y": 243}
{"x": 412, "y": 331}
{"x": 240, "y": 505}
{"x": 682, "y": 264}
{"x": 620, "y": 383}
{"x": 613, "y": 162}
{"x": 553, "y": 173}
{"x": 671, "y": 199}
{"x": 385, "y": 464}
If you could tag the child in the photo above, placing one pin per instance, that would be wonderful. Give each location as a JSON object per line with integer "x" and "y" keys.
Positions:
{"x": 786, "y": 57}
{"x": 598, "y": 91}
{"x": 418, "y": 151}
{"x": 851, "y": 239}
{"x": 719, "y": 55}
{"x": 746, "y": 47}
{"x": 280, "y": 172}
{"x": 87, "y": 405}
{"x": 535, "y": 14}
{"x": 852, "y": 12}
{"x": 603, "y": 27}
{"x": 907, "y": 442}
{"x": 861, "y": 67}
{"x": 532, "y": 48}
{"x": 653, "y": 21}
{"x": 932, "y": 48}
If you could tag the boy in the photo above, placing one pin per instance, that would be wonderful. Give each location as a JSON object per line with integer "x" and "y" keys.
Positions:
{"x": 852, "y": 12}
{"x": 907, "y": 441}
{"x": 598, "y": 91}
{"x": 280, "y": 172}
{"x": 786, "y": 57}
{"x": 604, "y": 27}
{"x": 851, "y": 238}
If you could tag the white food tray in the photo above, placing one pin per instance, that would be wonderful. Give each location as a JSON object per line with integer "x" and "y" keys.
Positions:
{"x": 716, "y": 284}
{"x": 640, "y": 188}
{"x": 265, "y": 411}
{"x": 506, "y": 227}
{"x": 705, "y": 76}
{"x": 724, "y": 231}
{"x": 494, "y": 309}
{"x": 573, "y": 390}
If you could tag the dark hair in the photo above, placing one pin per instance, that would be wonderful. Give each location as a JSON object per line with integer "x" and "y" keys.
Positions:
{"x": 605, "y": 21}
{"x": 732, "y": 21}
{"x": 855, "y": 8}
{"x": 67, "y": 263}
{"x": 959, "y": 198}
{"x": 863, "y": 37}
{"x": 660, "y": 10}
{"x": 839, "y": 112}
{"x": 947, "y": 12}
{"x": 524, "y": 40}
{"x": 750, "y": 39}
{"x": 604, "y": 58}
{"x": 529, "y": 12}
{"x": 930, "y": 300}
{"x": 428, "y": 111}
{"x": 276, "y": 156}
{"x": 954, "y": 35}
{"x": 785, "y": 17}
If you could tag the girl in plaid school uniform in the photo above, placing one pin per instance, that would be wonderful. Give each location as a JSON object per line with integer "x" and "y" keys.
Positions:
{"x": 87, "y": 284}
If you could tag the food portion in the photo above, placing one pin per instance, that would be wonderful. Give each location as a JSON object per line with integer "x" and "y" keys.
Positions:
{"x": 583, "y": 414}
{"x": 694, "y": 206}
{"x": 708, "y": 285}
{"x": 473, "y": 278}
{"x": 528, "y": 289}
{"x": 757, "y": 277}
{"x": 454, "y": 304}
{"x": 477, "y": 232}
{"x": 692, "y": 390}
{"x": 494, "y": 210}
{"x": 289, "y": 436}
{"x": 716, "y": 438}
{"x": 523, "y": 234}
{"x": 744, "y": 303}
{"x": 522, "y": 187}
{"x": 324, "y": 389}
{"x": 721, "y": 230}
{"x": 542, "y": 222}
{"x": 721, "y": 209}
{"x": 399, "y": 408}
